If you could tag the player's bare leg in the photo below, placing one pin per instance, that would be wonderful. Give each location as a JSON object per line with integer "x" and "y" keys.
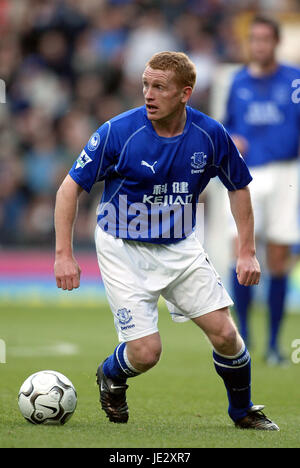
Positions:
{"x": 233, "y": 364}
{"x": 128, "y": 360}
{"x": 221, "y": 331}
{"x": 278, "y": 258}
{"x": 145, "y": 352}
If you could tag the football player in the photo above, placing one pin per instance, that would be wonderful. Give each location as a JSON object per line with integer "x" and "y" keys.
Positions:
{"x": 264, "y": 121}
{"x": 155, "y": 161}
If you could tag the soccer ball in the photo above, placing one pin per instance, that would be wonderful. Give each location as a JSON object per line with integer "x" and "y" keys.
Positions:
{"x": 47, "y": 397}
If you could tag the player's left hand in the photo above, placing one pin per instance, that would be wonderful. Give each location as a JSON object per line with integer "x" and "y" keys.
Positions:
{"x": 248, "y": 270}
{"x": 67, "y": 273}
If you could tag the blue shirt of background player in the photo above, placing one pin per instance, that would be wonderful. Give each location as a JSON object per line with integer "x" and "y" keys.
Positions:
{"x": 261, "y": 109}
{"x": 134, "y": 161}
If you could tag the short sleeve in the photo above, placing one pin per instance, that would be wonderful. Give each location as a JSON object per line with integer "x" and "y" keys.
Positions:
{"x": 94, "y": 160}
{"x": 230, "y": 165}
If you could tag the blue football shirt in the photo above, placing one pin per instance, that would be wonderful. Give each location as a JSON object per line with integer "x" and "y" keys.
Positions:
{"x": 262, "y": 110}
{"x": 152, "y": 183}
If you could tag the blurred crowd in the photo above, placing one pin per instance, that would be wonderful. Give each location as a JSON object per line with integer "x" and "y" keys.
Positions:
{"x": 70, "y": 65}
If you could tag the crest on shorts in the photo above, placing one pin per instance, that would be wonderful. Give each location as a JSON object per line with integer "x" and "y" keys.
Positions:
{"x": 124, "y": 316}
{"x": 199, "y": 160}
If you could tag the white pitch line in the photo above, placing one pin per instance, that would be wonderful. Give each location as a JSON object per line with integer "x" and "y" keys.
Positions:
{"x": 57, "y": 349}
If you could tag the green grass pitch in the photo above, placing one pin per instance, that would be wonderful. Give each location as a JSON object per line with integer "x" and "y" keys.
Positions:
{"x": 181, "y": 403}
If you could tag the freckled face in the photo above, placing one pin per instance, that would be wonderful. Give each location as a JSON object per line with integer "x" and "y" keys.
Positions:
{"x": 163, "y": 96}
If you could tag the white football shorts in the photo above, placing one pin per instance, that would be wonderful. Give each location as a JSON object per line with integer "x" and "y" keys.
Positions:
{"x": 275, "y": 200}
{"x": 135, "y": 274}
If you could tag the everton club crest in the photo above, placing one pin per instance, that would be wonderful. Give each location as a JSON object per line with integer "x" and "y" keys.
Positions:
{"x": 198, "y": 162}
{"x": 124, "y": 316}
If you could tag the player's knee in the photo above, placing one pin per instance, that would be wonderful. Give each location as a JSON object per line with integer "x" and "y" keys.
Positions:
{"x": 227, "y": 341}
{"x": 278, "y": 260}
{"x": 151, "y": 358}
{"x": 278, "y": 266}
{"x": 145, "y": 356}
{"x": 278, "y": 269}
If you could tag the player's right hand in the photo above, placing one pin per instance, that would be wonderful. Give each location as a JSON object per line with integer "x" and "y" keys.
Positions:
{"x": 67, "y": 273}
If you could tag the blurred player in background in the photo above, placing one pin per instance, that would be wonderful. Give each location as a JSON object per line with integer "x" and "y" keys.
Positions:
{"x": 154, "y": 157}
{"x": 264, "y": 123}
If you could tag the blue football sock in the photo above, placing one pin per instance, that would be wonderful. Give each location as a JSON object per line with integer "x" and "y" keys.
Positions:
{"x": 236, "y": 374}
{"x": 242, "y": 297}
{"x": 117, "y": 366}
{"x": 276, "y": 300}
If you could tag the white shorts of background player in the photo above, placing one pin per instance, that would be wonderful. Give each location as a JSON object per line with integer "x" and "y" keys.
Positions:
{"x": 275, "y": 199}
